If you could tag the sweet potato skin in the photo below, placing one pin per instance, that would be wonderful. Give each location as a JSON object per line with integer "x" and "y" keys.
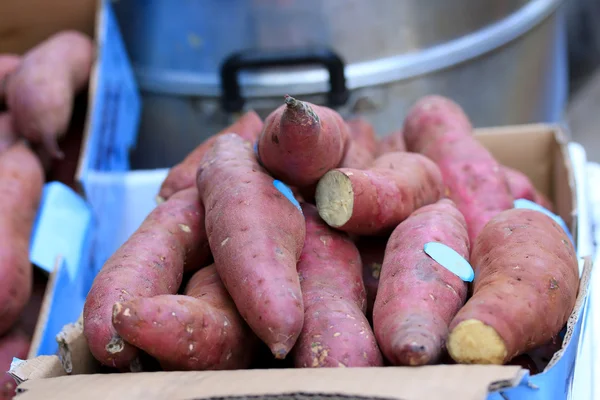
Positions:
{"x": 14, "y": 343}
{"x": 301, "y": 142}
{"x": 21, "y": 183}
{"x": 417, "y": 297}
{"x": 336, "y": 332}
{"x": 438, "y": 128}
{"x": 525, "y": 287}
{"x": 150, "y": 263}
{"x": 256, "y": 236}
{"x": 41, "y": 91}
{"x": 387, "y": 193}
{"x": 362, "y": 145}
{"x": 200, "y": 330}
{"x": 392, "y": 143}
{"x": 8, "y": 63}
{"x": 183, "y": 175}
{"x": 522, "y": 188}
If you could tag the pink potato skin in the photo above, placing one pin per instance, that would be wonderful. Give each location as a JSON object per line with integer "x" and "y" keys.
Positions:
{"x": 526, "y": 280}
{"x": 522, "y": 188}
{"x": 438, "y": 128}
{"x": 301, "y": 142}
{"x": 183, "y": 175}
{"x": 372, "y": 251}
{"x": 362, "y": 146}
{"x": 336, "y": 332}
{"x": 392, "y": 143}
{"x": 256, "y": 236}
{"x": 200, "y": 330}
{"x": 171, "y": 240}
{"x": 21, "y": 184}
{"x": 41, "y": 91}
{"x": 417, "y": 297}
{"x": 14, "y": 343}
{"x": 387, "y": 193}
{"x": 8, "y": 63}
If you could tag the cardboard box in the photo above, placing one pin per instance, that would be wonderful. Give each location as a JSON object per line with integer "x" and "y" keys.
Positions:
{"x": 119, "y": 199}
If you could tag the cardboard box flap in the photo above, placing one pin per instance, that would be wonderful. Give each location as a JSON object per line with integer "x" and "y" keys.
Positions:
{"x": 40, "y": 367}
{"x": 440, "y": 382}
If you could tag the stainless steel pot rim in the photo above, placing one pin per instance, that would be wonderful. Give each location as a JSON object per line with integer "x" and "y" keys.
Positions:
{"x": 358, "y": 75}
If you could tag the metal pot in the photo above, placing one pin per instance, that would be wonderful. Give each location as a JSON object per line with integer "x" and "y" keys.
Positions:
{"x": 201, "y": 62}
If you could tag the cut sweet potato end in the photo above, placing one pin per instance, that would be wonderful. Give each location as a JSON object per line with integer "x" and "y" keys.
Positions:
{"x": 473, "y": 342}
{"x": 335, "y": 198}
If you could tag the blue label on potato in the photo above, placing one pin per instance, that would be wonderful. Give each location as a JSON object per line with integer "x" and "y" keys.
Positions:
{"x": 287, "y": 192}
{"x": 450, "y": 259}
{"x": 524, "y": 203}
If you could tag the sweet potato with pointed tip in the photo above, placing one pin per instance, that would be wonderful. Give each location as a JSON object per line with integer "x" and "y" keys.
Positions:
{"x": 417, "y": 297}
{"x": 256, "y": 235}
{"x": 183, "y": 175}
{"x": 21, "y": 184}
{"x": 41, "y": 91}
{"x": 199, "y": 330}
{"x": 171, "y": 240}
{"x": 439, "y": 129}
{"x": 336, "y": 332}
{"x": 13, "y": 344}
{"x": 525, "y": 288}
{"x": 301, "y": 142}
{"x": 376, "y": 200}
{"x": 522, "y": 188}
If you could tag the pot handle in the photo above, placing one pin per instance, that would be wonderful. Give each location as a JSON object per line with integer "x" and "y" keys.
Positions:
{"x": 232, "y": 100}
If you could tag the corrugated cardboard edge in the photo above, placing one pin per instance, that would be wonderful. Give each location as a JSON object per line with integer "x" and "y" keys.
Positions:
{"x": 440, "y": 382}
{"x": 584, "y": 284}
{"x": 73, "y": 350}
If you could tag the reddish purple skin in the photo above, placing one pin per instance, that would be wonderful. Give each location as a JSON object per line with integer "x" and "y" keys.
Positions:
{"x": 438, "y": 128}
{"x": 183, "y": 175}
{"x": 41, "y": 91}
{"x": 417, "y": 298}
{"x": 171, "y": 240}
{"x": 522, "y": 188}
{"x": 301, "y": 142}
{"x": 21, "y": 184}
{"x": 8, "y": 63}
{"x": 8, "y": 136}
{"x": 384, "y": 195}
{"x": 256, "y": 236}
{"x": 200, "y": 330}
{"x": 336, "y": 332}
{"x": 527, "y": 306}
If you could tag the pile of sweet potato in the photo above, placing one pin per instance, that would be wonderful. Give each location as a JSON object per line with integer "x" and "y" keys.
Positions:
{"x": 303, "y": 238}
{"x": 37, "y": 100}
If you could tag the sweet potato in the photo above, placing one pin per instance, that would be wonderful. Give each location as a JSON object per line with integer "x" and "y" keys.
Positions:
{"x": 301, "y": 142}
{"x": 525, "y": 287}
{"x": 375, "y": 201}
{"x": 361, "y": 147}
{"x": 40, "y": 92}
{"x": 391, "y": 143}
{"x": 183, "y": 175}
{"x": 256, "y": 235}
{"x": 151, "y": 262}
{"x": 417, "y": 297}
{"x": 372, "y": 251}
{"x": 200, "y": 330}
{"x": 21, "y": 183}
{"x": 438, "y": 128}
{"x": 13, "y": 344}
{"x": 8, "y": 63}
{"x": 522, "y": 188}
{"x": 336, "y": 332}
{"x": 8, "y": 135}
